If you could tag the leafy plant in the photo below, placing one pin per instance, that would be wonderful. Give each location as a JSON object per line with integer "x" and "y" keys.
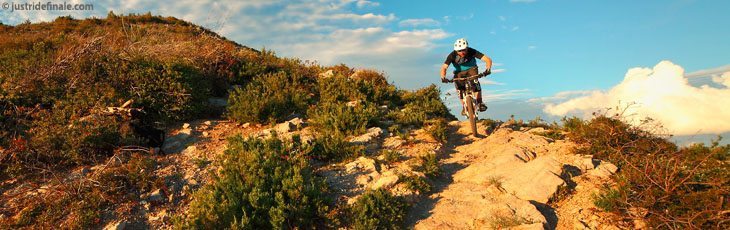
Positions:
{"x": 262, "y": 184}
{"x": 378, "y": 209}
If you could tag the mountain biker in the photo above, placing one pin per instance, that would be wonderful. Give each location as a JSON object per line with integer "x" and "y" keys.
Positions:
{"x": 463, "y": 58}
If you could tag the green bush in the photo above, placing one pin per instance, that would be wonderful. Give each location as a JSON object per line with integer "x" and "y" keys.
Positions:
{"x": 417, "y": 183}
{"x": 168, "y": 91}
{"x": 390, "y": 156}
{"x": 269, "y": 97}
{"x": 263, "y": 184}
{"x": 340, "y": 118}
{"x": 419, "y": 107}
{"x": 437, "y": 129}
{"x": 429, "y": 165}
{"x": 378, "y": 209}
{"x": 334, "y": 147}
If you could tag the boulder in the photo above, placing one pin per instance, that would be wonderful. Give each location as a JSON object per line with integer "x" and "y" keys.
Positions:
{"x": 536, "y": 180}
{"x": 386, "y": 180}
{"x": 285, "y": 127}
{"x": 361, "y": 164}
{"x": 603, "y": 171}
{"x": 368, "y": 137}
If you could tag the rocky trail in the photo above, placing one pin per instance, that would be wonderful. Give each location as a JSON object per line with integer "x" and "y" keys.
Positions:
{"x": 508, "y": 179}
{"x": 511, "y": 178}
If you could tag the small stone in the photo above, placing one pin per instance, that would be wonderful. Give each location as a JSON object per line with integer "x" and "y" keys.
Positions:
{"x": 43, "y": 189}
{"x": 353, "y": 103}
{"x": 246, "y": 125}
{"x": 297, "y": 122}
{"x": 186, "y": 125}
{"x": 604, "y": 170}
{"x": 208, "y": 123}
{"x": 190, "y": 150}
{"x": 285, "y": 127}
{"x": 387, "y": 180}
{"x": 185, "y": 131}
{"x": 205, "y": 134}
{"x": 119, "y": 225}
{"x": 192, "y": 182}
{"x": 156, "y": 196}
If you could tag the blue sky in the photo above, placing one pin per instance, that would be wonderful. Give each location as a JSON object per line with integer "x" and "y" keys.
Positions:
{"x": 547, "y": 53}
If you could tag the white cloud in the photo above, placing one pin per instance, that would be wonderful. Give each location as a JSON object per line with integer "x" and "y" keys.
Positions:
{"x": 428, "y": 22}
{"x": 709, "y": 72}
{"x": 561, "y": 97}
{"x": 502, "y": 18}
{"x": 365, "y": 3}
{"x": 663, "y": 94}
{"x": 723, "y": 80}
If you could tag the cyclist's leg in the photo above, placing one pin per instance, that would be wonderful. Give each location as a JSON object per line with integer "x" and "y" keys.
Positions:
{"x": 460, "y": 87}
{"x": 477, "y": 88}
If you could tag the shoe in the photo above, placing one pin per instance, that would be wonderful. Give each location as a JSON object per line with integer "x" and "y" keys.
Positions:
{"x": 463, "y": 112}
{"x": 482, "y": 107}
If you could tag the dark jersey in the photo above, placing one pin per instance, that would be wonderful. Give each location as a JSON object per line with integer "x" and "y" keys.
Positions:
{"x": 466, "y": 62}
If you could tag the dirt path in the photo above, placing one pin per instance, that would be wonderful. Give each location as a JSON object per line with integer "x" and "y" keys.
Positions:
{"x": 509, "y": 179}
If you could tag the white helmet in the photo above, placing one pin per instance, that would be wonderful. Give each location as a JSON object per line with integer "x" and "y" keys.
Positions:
{"x": 461, "y": 44}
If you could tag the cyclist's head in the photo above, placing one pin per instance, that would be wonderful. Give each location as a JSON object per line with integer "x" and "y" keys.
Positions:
{"x": 461, "y": 44}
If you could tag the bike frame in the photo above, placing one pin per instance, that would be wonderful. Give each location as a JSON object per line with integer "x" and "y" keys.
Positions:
{"x": 469, "y": 102}
{"x": 467, "y": 92}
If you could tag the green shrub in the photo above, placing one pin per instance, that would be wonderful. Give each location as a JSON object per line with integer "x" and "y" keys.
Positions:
{"x": 538, "y": 123}
{"x": 269, "y": 97}
{"x": 340, "y": 118}
{"x": 420, "y": 106}
{"x": 378, "y": 209}
{"x": 390, "y": 156}
{"x": 437, "y": 129}
{"x": 416, "y": 183}
{"x": 168, "y": 91}
{"x": 263, "y": 184}
{"x": 429, "y": 165}
{"x": 334, "y": 147}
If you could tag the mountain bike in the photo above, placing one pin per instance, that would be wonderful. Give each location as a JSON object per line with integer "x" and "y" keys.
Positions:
{"x": 469, "y": 96}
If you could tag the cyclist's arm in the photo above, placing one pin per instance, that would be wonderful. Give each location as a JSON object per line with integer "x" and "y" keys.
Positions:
{"x": 488, "y": 61}
{"x": 443, "y": 70}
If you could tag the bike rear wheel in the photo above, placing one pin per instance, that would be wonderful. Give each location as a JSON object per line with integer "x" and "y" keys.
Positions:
{"x": 471, "y": 114}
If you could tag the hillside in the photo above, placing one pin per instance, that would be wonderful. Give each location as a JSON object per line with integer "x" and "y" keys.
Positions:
{"x": 253, "y": 140}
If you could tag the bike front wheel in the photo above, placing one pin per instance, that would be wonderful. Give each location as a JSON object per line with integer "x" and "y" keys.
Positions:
{"x": 472, "y": 115}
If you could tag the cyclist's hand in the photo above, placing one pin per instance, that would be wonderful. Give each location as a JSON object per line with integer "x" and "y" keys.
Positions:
{"x": 444, "y": 80}
{"x": 485, "y": 73}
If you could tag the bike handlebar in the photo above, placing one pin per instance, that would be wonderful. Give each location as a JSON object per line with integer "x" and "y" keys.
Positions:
{"x": 468, "y": 78}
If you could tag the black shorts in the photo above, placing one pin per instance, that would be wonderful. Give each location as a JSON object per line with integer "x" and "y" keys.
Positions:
{"x": 461, "y": 85}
